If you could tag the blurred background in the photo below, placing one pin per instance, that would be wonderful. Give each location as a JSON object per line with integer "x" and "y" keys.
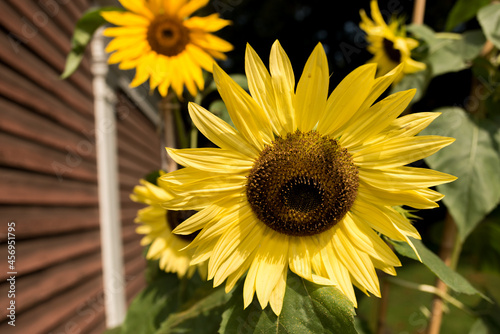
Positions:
{"x": 48, "y": 156}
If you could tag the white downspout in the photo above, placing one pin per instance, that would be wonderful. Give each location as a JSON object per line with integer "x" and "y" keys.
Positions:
{"x": 109, "y": 199}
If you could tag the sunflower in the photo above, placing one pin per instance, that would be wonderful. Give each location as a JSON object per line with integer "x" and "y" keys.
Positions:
{"x": 157, "y": 225}
{"x": 159, "y": 40}
{"x": 305, "y": 182}
{"x": 389, "y": 44}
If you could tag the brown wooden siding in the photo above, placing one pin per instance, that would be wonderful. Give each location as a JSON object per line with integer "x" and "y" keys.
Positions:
{"x": 48, "y": 174}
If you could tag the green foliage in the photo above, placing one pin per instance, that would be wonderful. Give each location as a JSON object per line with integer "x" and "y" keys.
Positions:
{"x": 85, "y": 27}
{"x": 448, "y": 52}
{"x": 463, "y": 11}
{"x": 201, "y": 314}
{"x": 475, "y": 159}
{"x": 452, "y": 279}
{"x": 307, "y": 308}
{"x": 489, "y": 19}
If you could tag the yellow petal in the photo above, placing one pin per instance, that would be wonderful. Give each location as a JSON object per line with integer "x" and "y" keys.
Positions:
{"x": 272, "y": 261}
{"x": 312, "y": 90}
{"x": 404, "y": 178}
{"x": 400, "y": 151}
{"x": 138, "y": 6}
{"x": 219, "y": 132}
{"x": 246, "y": 114}
{"x": 358, "y": 263}
{"x": 346, "y": 98}
{"x": 278, "y": 294}
{"x": 375, "y": 119}
{"x": 261, "y": 88}
{"x": 125, "y": 31}
{"x": 191, "y": 6}
{"x": 366, "y": 240}
{"x": 209, "y": 23}
{"x": 283, "y": 81}
{"x": 299, "y": 257}
{"x": 125, "y": 19}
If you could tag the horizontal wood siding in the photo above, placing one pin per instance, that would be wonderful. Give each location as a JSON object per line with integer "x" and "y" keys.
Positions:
{"x": 48, "y": 173}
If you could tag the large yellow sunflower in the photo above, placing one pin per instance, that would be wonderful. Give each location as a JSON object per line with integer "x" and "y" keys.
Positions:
{"x": 388, "y": 43}
{"x": 157, "y": 225}
{"x": 305, "y": 182}
{"x": 157, "y": 38}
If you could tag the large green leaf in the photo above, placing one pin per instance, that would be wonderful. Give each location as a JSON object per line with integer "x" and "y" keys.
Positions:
{"x": 453, "y": 280}
{"x": 85, "y": 27}
{"x": 307, "y": 308}
{"x": 489, "y": 19}
{"x": 201, "y": 314}
{"x": 474, "y": 158}
{"x": 463, "y": 11}
{"x": 152, "y": 306}
{"x": 449, "y": 52}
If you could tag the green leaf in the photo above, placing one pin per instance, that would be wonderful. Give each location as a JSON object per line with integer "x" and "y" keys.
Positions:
{"x": 474, "y": 159}
{"x": 448, "y": 52}
{"x": 201, "y": 314}
{"x": 152, "y": 305}
{"x": 479, "y": 327}
{"x": 489, "y": 19}
{"x": 489, "y": 313}
{"x": 85, "y": 27}
{"x": 307, "y": 308}
{"x": 453, "y": 55}
{"x": 453, "y": 280}
{"x": 463, "y": 11}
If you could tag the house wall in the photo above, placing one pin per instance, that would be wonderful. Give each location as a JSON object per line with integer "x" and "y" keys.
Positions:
{"x": 48, "y": 174}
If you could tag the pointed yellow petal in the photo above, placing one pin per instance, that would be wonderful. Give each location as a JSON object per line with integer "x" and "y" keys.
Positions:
{"x": 138, "y": 6}
{"x": 283, "y": 81}
{"x": 400, "y": 151}
{"x": 403, "y": 178}
{"x": 191, "y": 6}
{"x": 278, "y": 294}
{"x": 358, "y": 263}
{"x": 272, "y": 261}
{"x": 346, "y": 98}
{"x": 261, "y": 88}
{"x": 209, "y": 23}
{"x": 211, "y": 159}
{"x": 219, "y": 132}
{"x": 366, "y": 240}
{"x": 312, "y": 90}
{"x": 299, "y": 257}
{"x": 372, "y": 121}
{"x": 125, "y": 19}
{"x": 246, "y": 114}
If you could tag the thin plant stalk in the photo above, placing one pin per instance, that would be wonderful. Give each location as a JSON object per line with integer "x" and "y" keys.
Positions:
{"x": 418, "y": 12}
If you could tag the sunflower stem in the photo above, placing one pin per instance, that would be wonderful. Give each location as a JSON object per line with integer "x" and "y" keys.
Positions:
{"x": 194, "y": 130}
{"x": 449, "y": 253}
{"x": 383, "y": 305}
{"x": 166, "y": 105}
{"x": 418, "y": 12}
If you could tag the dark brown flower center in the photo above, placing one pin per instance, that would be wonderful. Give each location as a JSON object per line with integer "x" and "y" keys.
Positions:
{"x": 393, "y": 53}
{"x": 167, "y": 36}
{"x": 175, "y": 218}
{"x": 302, "y": 184}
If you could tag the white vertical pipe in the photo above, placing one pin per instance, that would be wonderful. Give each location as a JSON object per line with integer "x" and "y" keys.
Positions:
{"x": 109, "y": 200}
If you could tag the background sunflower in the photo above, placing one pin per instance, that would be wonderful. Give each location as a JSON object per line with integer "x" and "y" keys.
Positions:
{"x": 157, "y": 224}
{"x": 164, "y": 44}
